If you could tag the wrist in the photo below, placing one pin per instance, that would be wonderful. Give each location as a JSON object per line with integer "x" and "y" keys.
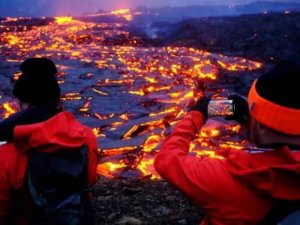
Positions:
{"x": 197, "y": 118}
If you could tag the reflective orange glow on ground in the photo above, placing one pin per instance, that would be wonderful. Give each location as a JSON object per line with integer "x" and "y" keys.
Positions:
{"x": 131, "y": 96}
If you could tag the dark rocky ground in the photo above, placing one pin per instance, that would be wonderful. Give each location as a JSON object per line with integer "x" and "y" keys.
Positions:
{"x": 142, "y": 201}
{"x": 264, "y": 37}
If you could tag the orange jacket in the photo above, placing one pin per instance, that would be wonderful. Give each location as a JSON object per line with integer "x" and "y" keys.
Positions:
{"x": 236, "y": 190}
{"x": 60, "y": 131}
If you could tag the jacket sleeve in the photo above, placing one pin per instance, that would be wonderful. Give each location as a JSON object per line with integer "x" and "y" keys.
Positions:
{"x": 5, "y": 195}
{"x": 92, "y": 156}
{"x": 174, "y": 163}
{"x": 34, "y": 114}
{"x": 12, "y": 171}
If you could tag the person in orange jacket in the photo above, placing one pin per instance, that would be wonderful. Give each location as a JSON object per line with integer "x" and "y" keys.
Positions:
{"x": 243, "y": 188}
{"x": 41, "y": 125}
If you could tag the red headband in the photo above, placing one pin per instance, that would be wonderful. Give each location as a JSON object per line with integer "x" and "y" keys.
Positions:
{"x": 277, "y": 117}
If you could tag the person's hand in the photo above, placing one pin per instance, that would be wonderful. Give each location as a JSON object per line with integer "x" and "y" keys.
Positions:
{"x": 241, "y": 111}
{"x": 201, "y": 106}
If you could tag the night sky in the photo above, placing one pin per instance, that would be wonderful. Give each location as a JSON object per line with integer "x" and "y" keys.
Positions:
{"x": 77, "y": 7}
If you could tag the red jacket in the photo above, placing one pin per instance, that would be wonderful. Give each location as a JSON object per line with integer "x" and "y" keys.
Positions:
{"x": 60, "y": 131}
{"x": 236, "y": 190}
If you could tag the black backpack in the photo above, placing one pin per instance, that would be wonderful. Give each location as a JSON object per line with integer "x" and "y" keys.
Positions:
{"x": 57, "y": 188}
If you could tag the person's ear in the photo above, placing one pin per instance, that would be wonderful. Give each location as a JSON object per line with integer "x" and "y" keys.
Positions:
{"x": 24, "y": 105}
{"x": 261, "y": 129}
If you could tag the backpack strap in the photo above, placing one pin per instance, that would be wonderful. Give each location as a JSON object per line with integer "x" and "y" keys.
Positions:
{"x": 292, "y": 219}
{"x": 281, "y": 210}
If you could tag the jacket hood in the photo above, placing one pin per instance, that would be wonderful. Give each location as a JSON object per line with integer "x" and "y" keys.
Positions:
{"x": 274, "y": 173}
{"x": 60, "y": 131}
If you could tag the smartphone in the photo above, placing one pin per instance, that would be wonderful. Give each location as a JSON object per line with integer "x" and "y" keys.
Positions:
{"x": 220, "y": 107}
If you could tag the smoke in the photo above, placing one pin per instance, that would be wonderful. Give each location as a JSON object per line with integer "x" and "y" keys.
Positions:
{"x": 47, "y": 7}
{"x": 77, "y": 7}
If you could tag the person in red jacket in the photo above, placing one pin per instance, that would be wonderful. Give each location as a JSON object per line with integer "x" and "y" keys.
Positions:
{"x": 42, "y": 126}
{"x": 244, "y": 187}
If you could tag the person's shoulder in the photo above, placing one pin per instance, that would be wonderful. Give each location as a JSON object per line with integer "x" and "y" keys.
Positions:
{"x": 70, "y": 117}
{"x": 89, "y": 131}
{"x": 9, "y": 153}
{"x": 6, "y": 145}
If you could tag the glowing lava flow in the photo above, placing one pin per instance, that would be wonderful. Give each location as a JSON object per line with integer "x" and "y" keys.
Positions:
{"x": 119, "y": 13}
{"x": 63, "y": 19}
{"x": 130, "y": 96}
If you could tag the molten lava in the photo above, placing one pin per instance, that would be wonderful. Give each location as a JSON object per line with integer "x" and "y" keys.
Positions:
{"x": 63, "y": 19}
{"x": 131, "y": 96}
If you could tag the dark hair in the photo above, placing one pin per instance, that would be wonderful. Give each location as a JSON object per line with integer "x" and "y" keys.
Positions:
{"x": 37, "y": 83}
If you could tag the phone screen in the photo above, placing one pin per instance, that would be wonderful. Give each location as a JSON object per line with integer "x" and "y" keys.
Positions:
{"x": 220, "y": 108}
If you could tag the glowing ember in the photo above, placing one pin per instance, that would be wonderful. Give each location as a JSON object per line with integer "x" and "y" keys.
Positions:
{"x": 10, "y": 109}
{"x": 12, "y": 40}
{"x": 120, "y": 13}
{"x": 125, "y": 12}
{"x": 131, "y": 96}
{"x": 63, "y": 19}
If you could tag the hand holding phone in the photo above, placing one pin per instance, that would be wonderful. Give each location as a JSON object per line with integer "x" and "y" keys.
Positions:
{"x": 202, "y": 106}
{"x": 241, "y": 111}
{"x": 234, "y": 108}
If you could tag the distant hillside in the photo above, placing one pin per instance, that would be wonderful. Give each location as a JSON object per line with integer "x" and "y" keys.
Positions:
{"x": 262, "y": 6}
{"x": 173, "y": 14}
{"x": 267, "y": 37}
